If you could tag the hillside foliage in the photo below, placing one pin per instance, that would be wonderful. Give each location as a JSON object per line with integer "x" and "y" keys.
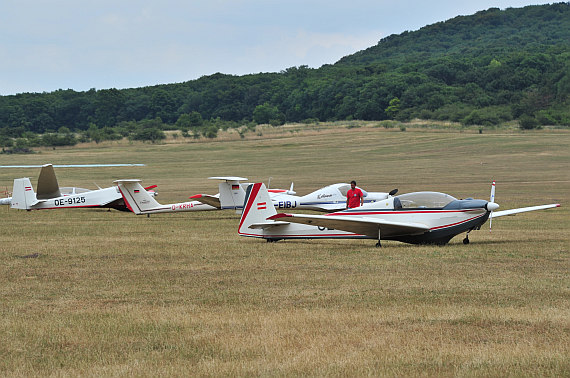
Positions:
{"x": 486, "y": 69}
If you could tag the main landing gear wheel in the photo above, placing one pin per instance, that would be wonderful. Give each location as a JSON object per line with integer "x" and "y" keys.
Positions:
{"x": 466, "y": 240}
{"x": 378, "y": 245}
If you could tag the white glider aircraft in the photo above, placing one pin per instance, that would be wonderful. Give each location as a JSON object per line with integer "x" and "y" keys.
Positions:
{"x": 416, "y": 218}
{"x": 50, "y": 196}
{"x": 231, "y": 196}
{"x": 329, "y": 198}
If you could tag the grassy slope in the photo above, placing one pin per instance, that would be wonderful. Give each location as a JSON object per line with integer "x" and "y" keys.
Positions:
{"x": 112, "y": 294}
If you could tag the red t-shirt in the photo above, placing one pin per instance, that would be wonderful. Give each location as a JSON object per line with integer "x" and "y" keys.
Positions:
{"x": 354, "y": 197}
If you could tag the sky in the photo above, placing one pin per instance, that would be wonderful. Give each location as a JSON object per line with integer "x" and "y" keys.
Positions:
{"x": 46, "y": 45}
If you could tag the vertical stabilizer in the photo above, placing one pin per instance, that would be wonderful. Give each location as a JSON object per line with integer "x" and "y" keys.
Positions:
{"x": 257, "y": 208}
{"x": 23, "y": 196}
{"x": 48, "y": 186}
{"x": 137, "y": 199}
{"x": 232, "y": 195}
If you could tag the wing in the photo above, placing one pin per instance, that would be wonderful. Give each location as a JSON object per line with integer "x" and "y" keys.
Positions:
{"x": 47, "y": 183}
{"x": 357, "y": 225}
{"x": 208, "y": 200}
{"x": 496, "y": 214}
{"x": 330, "y": 206}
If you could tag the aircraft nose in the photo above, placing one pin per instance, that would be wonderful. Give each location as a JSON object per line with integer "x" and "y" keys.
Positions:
{"x": 492, "y": 206}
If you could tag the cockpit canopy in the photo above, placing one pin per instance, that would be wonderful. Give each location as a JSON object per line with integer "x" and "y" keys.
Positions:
{"x": 422, "y": 200}
{"x": 69, "y": 190}
{"x": 344, "y": 188}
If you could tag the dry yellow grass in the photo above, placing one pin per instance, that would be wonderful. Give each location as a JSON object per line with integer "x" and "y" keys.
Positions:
{"x": 97, "y": 293}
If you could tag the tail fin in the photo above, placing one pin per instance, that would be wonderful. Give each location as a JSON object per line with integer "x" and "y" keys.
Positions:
{"x": 23, "y": 196}
{"x": 48, "y": 186}
{"x": 137, "y": 199}
{"x": 232, "y": 195}
{"x": 257, "y": 208}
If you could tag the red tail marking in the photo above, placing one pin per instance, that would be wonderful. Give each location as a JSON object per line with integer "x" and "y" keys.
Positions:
{"x": 252, "y": 194}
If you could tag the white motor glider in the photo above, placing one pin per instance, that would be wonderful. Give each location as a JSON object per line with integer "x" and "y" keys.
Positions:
{"x": 416, "y": 218}
{"x": 329, "y": 198}
{"x": 50, "y": 195}
{"x": 231, "y": 196}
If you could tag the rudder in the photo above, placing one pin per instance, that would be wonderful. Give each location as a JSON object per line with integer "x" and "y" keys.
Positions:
{"x": 23, "y": 196}
{"x": 137, "y": 199}
{"x": 232, "y": 195}
{"x": 257, "y": 208}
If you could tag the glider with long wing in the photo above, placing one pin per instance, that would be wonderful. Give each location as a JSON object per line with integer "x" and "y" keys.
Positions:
{"x": 50, "y": 195}
{"x": 140, "y": 202}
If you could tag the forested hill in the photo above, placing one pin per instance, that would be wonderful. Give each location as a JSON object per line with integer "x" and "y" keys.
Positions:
{"x": 490, "y": 32}
{"x": 487, "y": 68}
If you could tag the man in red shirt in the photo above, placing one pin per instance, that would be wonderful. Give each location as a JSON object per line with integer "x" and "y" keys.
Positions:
{"x": 354, "y": 196}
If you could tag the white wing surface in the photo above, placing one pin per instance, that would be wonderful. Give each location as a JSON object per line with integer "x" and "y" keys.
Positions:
{"x": 357, "y": 225}
{"x": 496, "y": 214}
{"x": 207, "y": 200}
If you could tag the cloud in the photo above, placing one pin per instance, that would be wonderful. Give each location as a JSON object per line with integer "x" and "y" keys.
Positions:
{"x": 47, "y": 45}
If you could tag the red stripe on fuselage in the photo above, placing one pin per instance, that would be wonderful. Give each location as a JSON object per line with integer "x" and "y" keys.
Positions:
{"x": 399, "y": 212}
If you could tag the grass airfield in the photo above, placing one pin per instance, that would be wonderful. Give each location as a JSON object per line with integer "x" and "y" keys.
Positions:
{"x": 92, "y": 292}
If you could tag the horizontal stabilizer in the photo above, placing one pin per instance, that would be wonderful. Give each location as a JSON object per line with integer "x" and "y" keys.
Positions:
{"x": 266, "y": 225}
{"x": 228, "y": 178}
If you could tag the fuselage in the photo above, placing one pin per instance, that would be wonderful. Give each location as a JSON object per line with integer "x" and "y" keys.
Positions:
{"x": 329, "y": 198}
{"x": 180, "y": 207}
{"x": 104, "y": 198}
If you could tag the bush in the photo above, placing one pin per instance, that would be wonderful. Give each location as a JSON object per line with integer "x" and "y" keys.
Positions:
{"x": 490, "y": 116}
{"x": 266, "y": 113}
{"x": 149, "y": 134}
{"x": 210, "y": 132}
{"x": 56, "y": 139}
{"x": 527, "y": 122}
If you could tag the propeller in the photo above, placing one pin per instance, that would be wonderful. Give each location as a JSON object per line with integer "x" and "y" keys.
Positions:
{"x": 492, "y": 200}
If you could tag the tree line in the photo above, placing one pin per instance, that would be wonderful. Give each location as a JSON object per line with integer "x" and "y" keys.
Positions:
{"x": 485, "y": 69}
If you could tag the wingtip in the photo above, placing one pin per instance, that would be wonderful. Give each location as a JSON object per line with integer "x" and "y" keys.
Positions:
{"x": 280, "y": 215}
